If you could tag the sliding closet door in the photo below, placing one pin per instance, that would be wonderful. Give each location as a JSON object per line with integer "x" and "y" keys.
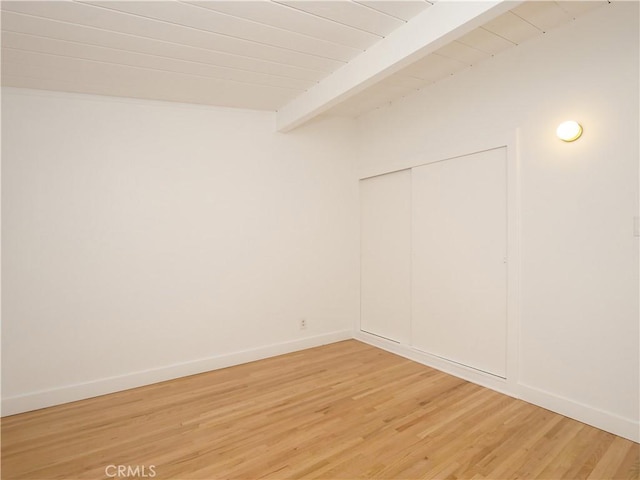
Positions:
{"x": 386, "y": 255}
{"x": 459, "y": 279}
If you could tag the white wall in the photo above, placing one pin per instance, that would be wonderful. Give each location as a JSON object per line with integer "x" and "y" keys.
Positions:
{"x": 579, "y": 313}
{"x": 154, "y": 236}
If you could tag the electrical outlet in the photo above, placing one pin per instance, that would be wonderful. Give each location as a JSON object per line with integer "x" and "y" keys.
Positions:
{"x": 303, "y": 323}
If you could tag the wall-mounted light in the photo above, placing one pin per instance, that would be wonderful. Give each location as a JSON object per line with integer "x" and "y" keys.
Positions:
{"x": 569, "y": 131}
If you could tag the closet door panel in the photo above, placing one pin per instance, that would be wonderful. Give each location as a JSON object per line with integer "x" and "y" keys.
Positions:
{"x": 385, "y": 216}
{"x": 459, "y": 274}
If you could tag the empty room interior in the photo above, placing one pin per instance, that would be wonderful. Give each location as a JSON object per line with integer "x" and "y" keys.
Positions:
{"x": 328, "y": 239}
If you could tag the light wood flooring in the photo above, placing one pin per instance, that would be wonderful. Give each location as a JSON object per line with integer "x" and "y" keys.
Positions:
{"x": 345, "y": 410}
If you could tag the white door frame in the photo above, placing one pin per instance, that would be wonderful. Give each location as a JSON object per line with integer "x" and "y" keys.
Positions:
{"x": 445, "y": 152}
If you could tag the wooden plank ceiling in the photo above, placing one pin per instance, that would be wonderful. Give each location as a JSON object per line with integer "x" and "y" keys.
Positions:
{"x": 256, "y": 54}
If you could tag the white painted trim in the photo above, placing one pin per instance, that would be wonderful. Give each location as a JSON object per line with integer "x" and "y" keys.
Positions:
{"x": 457, "y": 370}
{"x": 428, "y": 31}
{"x": 444, "y": 150}
{"x": 483, "y": 142}
{"x": 103, "y": 386}
{"x": 514, "y": 257}
{"x": 601, "y": 419}
{"x": 598, "y": 418}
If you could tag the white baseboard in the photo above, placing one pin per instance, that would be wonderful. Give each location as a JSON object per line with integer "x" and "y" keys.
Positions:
{"x": 470, "y": 374}
{"x": 103, "y": 386}
{"x": 592, "y": 416}
{"x": 601, "y": 419}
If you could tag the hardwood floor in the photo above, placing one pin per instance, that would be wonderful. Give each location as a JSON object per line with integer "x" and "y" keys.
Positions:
{"x": 345, "y": 410}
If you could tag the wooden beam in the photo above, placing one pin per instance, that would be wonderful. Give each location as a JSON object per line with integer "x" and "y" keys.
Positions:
{"x": 437, "y": 26}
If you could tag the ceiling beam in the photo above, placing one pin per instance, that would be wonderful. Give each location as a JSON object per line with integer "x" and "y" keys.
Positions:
{"x": 430, "y": 30}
